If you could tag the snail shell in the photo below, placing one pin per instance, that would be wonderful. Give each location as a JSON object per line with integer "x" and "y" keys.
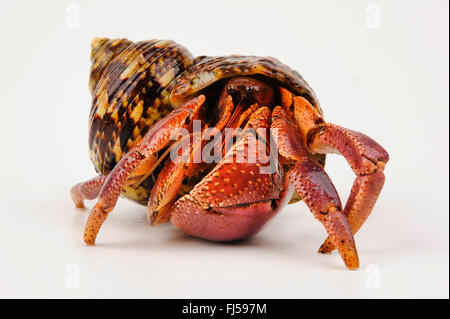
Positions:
{"x": 127, "y": 80}
{"x": 102, "y": 51}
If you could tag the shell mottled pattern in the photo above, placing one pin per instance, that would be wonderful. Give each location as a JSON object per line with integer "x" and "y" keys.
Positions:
{"x": 126, "y": 98}
{"x": 208, "y": 70}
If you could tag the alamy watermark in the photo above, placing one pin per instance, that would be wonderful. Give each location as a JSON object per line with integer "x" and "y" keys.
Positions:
{"x": 72, "y": 276}
{"x": 373, "y": 16}
{"x": 373, "y": 277}
{"x": 210, "y": 145}
{"x": 72, "y": 16}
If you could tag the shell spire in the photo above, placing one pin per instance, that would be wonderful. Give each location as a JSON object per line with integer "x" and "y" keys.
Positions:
{"x": 103, "y": 50}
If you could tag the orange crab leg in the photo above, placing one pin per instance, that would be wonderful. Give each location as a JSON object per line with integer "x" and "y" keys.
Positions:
{"x": 168, "y": 183}
{"x": 318, "y": 192}
{"x": 314, "y": 186}
{"x": 365, "y": 156}
{"x": 164, "y": 192}
{"x": 91, "y": 188}
{"x": 367, "y": 159}
{"x": 158, "y": 137}
{"x": 87, "y": 190}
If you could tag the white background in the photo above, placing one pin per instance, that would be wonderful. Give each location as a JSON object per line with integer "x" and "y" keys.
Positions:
{"x": 380, "y": 67}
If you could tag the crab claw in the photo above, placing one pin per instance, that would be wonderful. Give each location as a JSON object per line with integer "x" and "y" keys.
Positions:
{"x": 224, "y": 206}
{"x": 220, "y": 224}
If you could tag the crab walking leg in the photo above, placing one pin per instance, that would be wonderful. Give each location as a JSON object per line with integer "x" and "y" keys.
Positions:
{"x": 87, "y": 190}
{"x": 365, "y": 156}
{"x": 169, "y": 181}
{"x": 360, "y": 203}
{"x": 164, "y": 192}
{"x": 367, "y": 160}
{"x": 314, "y": 186}
{"x": 319, "y": 194}
{"x": 91, "y": 188}
{"x": 158, "y": 137}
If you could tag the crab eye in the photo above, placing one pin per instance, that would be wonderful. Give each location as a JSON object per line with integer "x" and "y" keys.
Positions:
{"x": 230, "y": 89}
{"x": 250, "y": 89}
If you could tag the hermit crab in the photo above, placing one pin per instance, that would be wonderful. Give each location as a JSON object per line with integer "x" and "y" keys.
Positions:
{"x": 261, "y": 116}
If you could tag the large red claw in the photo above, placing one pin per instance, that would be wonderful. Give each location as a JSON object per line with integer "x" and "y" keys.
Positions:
{"x": 225, "y": 186}
{"x": 238, "y": 196}
{"x": 220, "y": 224}
{"x": 240, "y": 177}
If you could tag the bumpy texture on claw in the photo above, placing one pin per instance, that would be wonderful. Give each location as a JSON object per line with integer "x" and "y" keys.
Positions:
{"x": 220, "y": 224}
{"x": 87, "y": 190}
{"x": 307, "y": 118}
{"x": 367, "y": 159}
{"x": 318, "y": 192}
{"x": 93, "y": 224}
{"x": 362, "y": 199}
{"x": 165, "y": 191}
{"x": 314, "y": 186}
{"x": 109, "y": 194}
{"x": 224, "y": 206}
{"x": 361, "y": 152}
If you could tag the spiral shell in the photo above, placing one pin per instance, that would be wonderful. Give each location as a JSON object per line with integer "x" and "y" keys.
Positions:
{"x": 102, "y": 52}
{"x": 127, "y": 84}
